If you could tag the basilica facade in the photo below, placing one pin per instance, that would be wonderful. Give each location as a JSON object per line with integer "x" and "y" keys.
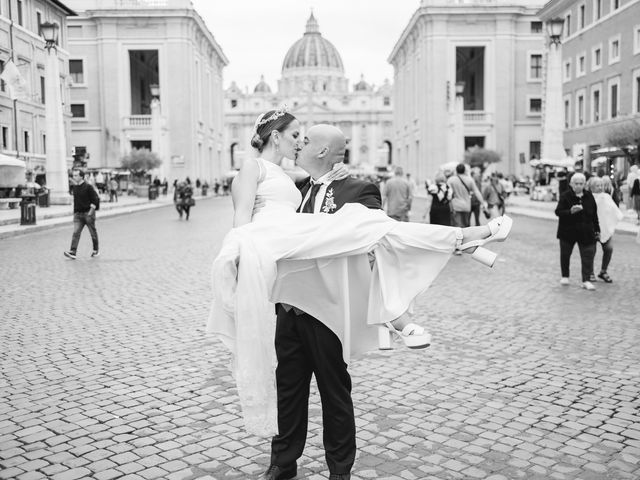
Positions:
{"x": 314, "y": 88}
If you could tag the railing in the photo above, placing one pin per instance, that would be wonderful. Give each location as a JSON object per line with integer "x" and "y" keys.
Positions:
{"x": 134, "y": 4}
{"x": 135, "y": 121}
{"x": 477, "y": 116}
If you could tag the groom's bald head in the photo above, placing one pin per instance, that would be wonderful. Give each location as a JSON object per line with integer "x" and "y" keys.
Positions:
{"x": 323, "y": 146}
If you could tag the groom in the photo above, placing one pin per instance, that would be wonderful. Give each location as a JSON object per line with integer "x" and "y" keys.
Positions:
{"x": 304, "y": 345}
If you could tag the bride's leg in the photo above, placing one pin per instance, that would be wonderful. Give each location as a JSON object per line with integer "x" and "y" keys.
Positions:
{"x": 470, "y": 234}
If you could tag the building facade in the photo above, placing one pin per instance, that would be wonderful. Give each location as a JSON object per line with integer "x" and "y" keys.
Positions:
{"x": 496, "y": 49}
{"x": 600, "y": 72}
{"x": 314, "y": 88}
{"x": 146, "y": 74}
{"x": 23, "y": 121}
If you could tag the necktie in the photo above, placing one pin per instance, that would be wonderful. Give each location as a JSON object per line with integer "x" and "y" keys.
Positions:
{"x": 308, "y": 207}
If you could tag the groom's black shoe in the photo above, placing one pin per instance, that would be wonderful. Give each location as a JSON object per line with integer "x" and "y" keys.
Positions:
{"x": 274, "y": 472}
{"x": 340, "y": 476}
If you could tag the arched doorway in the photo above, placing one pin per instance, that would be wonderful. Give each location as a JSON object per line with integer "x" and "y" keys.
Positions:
{"x": 389, "y": 152}
{"x": 231, "y": 153}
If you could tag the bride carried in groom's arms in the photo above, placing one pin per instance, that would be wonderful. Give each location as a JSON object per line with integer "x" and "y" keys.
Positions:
{"x": 318, "y": 265}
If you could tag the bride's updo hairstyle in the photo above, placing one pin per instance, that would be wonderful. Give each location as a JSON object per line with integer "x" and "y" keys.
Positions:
{"x": 268, "y": 122}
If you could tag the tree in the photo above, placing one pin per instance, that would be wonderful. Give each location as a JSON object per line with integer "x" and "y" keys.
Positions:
{"x": 625, "y": 136}
{"x": 140, "y": 161}
{"x": 481, "y": 157}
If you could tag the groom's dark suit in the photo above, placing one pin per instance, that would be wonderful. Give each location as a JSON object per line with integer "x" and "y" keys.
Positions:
{"x": 305, "y": 346}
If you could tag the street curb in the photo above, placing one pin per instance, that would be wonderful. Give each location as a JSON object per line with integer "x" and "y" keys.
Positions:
{"x": 66, "y": 220}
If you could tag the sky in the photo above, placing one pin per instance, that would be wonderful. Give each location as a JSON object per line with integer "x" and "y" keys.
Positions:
{"x": 255, "y": 35}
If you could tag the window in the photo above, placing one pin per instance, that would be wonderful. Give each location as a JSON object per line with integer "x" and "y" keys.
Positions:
{"x": 20, "y": 16}
{"x": 27, "y": 141}
{"x": 567, "y": 25}
{"x": 5, "y": 137}
{"x": 580, "y": 109}
{"x": 42, "y": 89}
{"x": 44, "y": 143}
{"x": 76, "y": 70}
{"x": 535, "y": 106}
{"x": 636, "y": 40}
{"x": 636, "y": 91}
{"x": 615, "y": 4}
{"x": 234, "y": 103}
{"x": 597, "y": 9}
{"x": 534, "y": 149}
{"x": 535, "y": 66}
{"x": 536, "y": 27}
{"x": 581, "y": 16}
{"x": 78, "y": 110}
{"x": 38, "y": 21}
{"x": 386, "y": 101}
{"x": 614, "y": 97}
{"x": 567, "y": 112}
{"x": 596, "y": 58}
{"x": 614, "y": 49}
{"x": 3, "y": 86}
{"x": 595, "y": 104}
{"x": 567, "y": 71}
{"x": 581, "y": 65}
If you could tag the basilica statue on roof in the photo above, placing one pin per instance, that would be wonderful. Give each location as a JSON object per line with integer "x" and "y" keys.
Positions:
{"x": 314, "y": 88}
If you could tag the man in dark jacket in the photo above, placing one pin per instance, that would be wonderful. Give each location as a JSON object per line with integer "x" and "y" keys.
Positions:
{"x": 85, "y": 203}
{"x": 304, "y": 345}
{"x": 577, "y": 223}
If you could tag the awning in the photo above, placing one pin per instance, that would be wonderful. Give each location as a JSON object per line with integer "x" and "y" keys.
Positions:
{"x": 12, "y": 161}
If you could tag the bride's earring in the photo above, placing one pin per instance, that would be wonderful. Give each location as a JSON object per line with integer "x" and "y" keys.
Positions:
{"x": 277, "y": 146}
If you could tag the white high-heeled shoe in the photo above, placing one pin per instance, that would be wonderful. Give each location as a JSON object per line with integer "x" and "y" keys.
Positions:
{"x": 413, "y": 336}
{"x": 500, "y": 228}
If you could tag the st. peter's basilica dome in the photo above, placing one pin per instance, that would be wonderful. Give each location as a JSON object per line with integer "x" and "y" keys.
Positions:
{"x": 312, "y": 51}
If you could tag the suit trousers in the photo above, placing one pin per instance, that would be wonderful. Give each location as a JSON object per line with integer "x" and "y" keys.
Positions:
{"x": 305, "y": 346}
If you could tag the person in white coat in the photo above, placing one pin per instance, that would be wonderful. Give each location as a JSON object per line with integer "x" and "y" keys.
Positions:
{"x": 608, "y": 215}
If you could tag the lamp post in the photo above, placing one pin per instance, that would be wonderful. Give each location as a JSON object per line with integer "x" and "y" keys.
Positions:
{"x": 156, "y": 135}
{"x": 459, "y": 120}
{"x": 56, "y": 159}
{"x": 552, "y": 147}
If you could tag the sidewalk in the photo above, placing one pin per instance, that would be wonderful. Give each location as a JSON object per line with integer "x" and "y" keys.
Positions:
{"x": 49, "y": 217}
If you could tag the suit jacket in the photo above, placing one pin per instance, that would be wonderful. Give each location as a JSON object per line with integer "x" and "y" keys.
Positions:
{"x": 348, "y": 190}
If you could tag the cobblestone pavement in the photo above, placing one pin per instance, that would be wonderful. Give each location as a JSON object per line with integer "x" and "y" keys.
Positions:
{"x": 105, "y": 371}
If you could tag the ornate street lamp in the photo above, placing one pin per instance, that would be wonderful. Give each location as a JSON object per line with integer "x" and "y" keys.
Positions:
{"x": 554, "y": 30}
{"x": 49, "y": 32}
{"x": 154, "y": 88}
{"x": 552, "y": 113}
{"x": 56, "y": 157}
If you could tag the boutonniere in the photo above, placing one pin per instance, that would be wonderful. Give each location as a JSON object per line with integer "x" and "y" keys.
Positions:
{"x": 329, "y": 205}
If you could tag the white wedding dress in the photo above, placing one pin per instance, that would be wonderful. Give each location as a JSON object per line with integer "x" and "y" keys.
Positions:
{"x": 319, "y": 264}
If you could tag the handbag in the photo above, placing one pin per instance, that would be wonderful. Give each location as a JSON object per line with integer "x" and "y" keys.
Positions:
{"x": 190, "y": 201}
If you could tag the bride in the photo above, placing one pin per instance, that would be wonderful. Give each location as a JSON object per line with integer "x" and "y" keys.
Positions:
{"x": 268, "y": 249}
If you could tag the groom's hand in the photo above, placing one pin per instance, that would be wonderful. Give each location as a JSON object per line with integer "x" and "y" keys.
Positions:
{"x": 258, "y": 204}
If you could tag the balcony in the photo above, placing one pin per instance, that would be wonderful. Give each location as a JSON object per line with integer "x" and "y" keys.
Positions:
{"x": 478, "y": 117}
{"x": 137, "y": 121}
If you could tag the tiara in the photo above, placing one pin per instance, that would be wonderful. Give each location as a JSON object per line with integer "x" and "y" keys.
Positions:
{"x": 274, "y": 116}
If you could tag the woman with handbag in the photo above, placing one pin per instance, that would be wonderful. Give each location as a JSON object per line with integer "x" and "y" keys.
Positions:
{"x": 183, "y": 199}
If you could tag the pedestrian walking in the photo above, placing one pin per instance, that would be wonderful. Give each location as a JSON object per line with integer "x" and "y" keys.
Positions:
{"x": 85, "y": 203}
{"x": 577, "y": 223}
{"x": 493, "y": 195}
{"x": 463, "y": 188}
{"x": 633, "y": 182}
{"x": 183, "y": 199}
{"x": 441, "y": 195}
{"x": 113, "y": 190}
{"x": 397, "y": 196}
{"x": 608, "y": 217}
{"x": 476, "y": 204}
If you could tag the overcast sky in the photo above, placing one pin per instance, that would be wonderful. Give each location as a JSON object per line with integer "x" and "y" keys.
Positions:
{"x": 256, "y": 34}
